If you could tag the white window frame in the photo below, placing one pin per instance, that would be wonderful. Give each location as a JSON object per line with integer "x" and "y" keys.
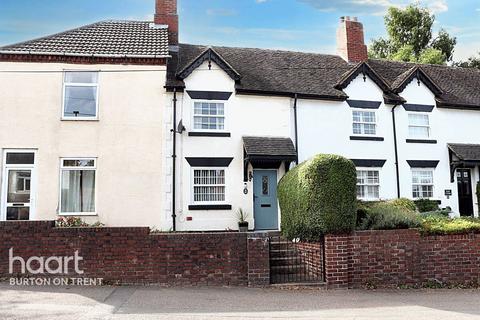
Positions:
{"x": 432, "y": 170}
{"x": 209, "y": 101}
{"x": 192, "y": 186}
{"x": 4, "y": 184}
{"x": 74, "y": 84}
{"x": 429, "y": 127}
{"x": 379, "y": 182}
{"x": 363, "y": 123}
{"x": 62, "y": 168}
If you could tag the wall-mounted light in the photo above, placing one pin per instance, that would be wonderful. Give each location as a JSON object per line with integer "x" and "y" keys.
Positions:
{"x": 245, "y": 188}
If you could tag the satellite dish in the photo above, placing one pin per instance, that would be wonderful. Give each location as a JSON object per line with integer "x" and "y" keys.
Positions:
{"x": 181, "y": 127}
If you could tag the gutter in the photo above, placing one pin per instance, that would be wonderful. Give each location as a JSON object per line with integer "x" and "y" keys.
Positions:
{"x": 295, "y": 125}
{"x": 83, "y": 54}
{"x": 397, "y": 172}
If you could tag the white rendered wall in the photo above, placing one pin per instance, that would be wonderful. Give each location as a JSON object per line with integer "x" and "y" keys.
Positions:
{"x": 127, "y": 139}
{"x": 244, "y": 116}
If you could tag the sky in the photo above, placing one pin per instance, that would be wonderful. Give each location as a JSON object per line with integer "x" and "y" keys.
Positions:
{"x": 299, "y": 25}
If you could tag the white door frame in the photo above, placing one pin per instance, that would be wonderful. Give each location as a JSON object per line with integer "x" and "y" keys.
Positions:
{"x": 33, "y": 181}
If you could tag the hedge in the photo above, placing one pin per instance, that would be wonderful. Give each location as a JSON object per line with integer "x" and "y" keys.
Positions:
{"x": 318, "y": 197}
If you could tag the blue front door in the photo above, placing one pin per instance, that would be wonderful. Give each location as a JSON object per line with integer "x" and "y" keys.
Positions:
{"x": 265, "y": 206}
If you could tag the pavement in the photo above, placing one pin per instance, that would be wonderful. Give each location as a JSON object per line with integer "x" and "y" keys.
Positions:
{"x": 44, "y": 302}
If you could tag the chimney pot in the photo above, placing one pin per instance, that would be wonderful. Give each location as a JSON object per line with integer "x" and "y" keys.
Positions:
{"x": 350, "y": 40}
{"x": 166, "y": 14}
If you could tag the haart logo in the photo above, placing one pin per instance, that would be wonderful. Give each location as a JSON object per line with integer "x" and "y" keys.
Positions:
{"x": 45, "y": 265}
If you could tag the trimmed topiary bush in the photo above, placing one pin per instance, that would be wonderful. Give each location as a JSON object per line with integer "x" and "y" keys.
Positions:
{"x": 318, "y": 197}
{"x": 426, "y": 205}
{"x": 403, "y": 203}
{"x": 385, "y": 216}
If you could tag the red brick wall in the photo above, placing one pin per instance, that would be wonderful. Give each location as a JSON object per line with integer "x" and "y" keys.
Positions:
{"x": 312, "y": 254}
{"x": 134, "y": 256}
{"x": 166, "y": 13}
{"x": 397, "y": 257}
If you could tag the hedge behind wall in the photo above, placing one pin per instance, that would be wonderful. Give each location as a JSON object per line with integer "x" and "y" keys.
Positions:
{"x": 318, "y": 197}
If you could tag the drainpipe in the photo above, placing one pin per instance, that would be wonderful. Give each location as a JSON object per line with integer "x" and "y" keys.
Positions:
{"x": 295, "y": 124}
{"x": 396, "y": 150}
{"x": 174, "y": 158}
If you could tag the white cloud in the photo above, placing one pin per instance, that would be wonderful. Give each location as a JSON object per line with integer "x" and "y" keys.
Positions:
{"x": 373, "y": 7}
{"x": 260, "y": 1}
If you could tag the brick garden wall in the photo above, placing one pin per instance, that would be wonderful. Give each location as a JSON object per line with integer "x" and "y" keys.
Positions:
{"x": 134, "y": 256}
{"x": 401, "y": 257}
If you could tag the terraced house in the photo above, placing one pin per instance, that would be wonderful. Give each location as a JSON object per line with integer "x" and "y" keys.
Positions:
{"x": 82, "y": 124}
{"x": 118, "y": 122}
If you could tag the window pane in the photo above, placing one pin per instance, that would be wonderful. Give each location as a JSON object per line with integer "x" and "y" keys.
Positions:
{"x": 419, "y": 132}
{"x": 418, "y": 119}
{"x": 18, "y": 189}
{"x": 18, "y": 213}
{"x": 81, "y": 77}
{"x": 80, "y": 101}
{"x": 369, "y": 129}
{"x": 20, "y": 158}
{"x": 79, "y": 163}
{"x": 78, "y": 191}
{"x": 209, "y": 185}
{"x": 368, "y": 116}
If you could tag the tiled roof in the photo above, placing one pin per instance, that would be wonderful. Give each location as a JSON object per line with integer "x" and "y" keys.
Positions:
{"x": 317, "y": 75}
{"x": 136, "y": 39}
{"x": 269, "y": 147}
{"x": 466, "y": 152}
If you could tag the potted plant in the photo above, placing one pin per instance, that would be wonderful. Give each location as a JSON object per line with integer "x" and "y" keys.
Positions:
{"x": 242, "y": 220}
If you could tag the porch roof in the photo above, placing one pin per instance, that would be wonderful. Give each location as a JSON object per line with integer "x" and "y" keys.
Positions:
{"x": 465, "y": 152}
{"x": 269, "y": 148}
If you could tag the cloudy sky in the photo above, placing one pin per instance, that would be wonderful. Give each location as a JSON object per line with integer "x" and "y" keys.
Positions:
{"x": 305, "y": 25}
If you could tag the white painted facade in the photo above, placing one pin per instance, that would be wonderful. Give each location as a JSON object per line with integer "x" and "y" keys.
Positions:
{"x": 244, "y": 116}
{"x": 126, "y": 139}
{"x": 323, "y": 127}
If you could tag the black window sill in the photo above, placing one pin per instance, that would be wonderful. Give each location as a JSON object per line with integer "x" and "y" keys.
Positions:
{"x": 360, "y": 138}
{"x": 421, "y": 141}
{"x": 209, "y": 134}
{"x": 210, "y": 207}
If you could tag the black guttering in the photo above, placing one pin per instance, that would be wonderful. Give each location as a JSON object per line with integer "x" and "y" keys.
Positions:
{"x": 395, "y": 147}
{"x": 295, "y": 119}
{"x": 174, "y": 158}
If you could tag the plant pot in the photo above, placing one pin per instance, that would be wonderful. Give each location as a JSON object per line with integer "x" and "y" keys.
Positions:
{"x": 243, "y": 226}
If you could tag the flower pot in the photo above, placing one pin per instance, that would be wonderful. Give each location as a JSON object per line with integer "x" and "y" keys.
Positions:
{"x": 243, "y": 226}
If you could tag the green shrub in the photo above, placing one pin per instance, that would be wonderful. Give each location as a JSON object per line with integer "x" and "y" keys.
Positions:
{"x": 438, "y": 224}
{"x": 385, "y": 216}
{"x": 426, "y": 205}
{"x": 403, "y": 203}
{"x": 317, "y": 197}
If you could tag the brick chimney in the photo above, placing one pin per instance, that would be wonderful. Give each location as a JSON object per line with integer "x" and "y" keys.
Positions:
{"x": 166, "y": 14}
{"x": 350, "y": 40}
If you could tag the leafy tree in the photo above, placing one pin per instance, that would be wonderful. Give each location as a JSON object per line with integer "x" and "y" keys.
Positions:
{"x": 410, "y": 38}
{"x": 472, "y": 62}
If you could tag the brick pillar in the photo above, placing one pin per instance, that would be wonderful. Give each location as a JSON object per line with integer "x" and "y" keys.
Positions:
{"x": 258, "y": 248}
{"x": 338, "y": 260}
{"x": 166, "y": 13}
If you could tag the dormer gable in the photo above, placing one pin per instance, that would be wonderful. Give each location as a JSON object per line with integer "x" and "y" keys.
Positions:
{"x": 417, "y": 73}
{"x": 210, "y": 56}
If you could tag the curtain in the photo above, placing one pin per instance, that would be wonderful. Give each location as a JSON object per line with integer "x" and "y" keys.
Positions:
{"x": 78, "y": 191}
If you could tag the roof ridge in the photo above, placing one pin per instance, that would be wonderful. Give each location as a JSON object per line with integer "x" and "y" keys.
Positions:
{"x": 265, "y": 49}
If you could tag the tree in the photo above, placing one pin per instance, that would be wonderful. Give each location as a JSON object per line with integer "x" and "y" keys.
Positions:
{"x": 472, "y": 62}
{"x": 410, "y": 38}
